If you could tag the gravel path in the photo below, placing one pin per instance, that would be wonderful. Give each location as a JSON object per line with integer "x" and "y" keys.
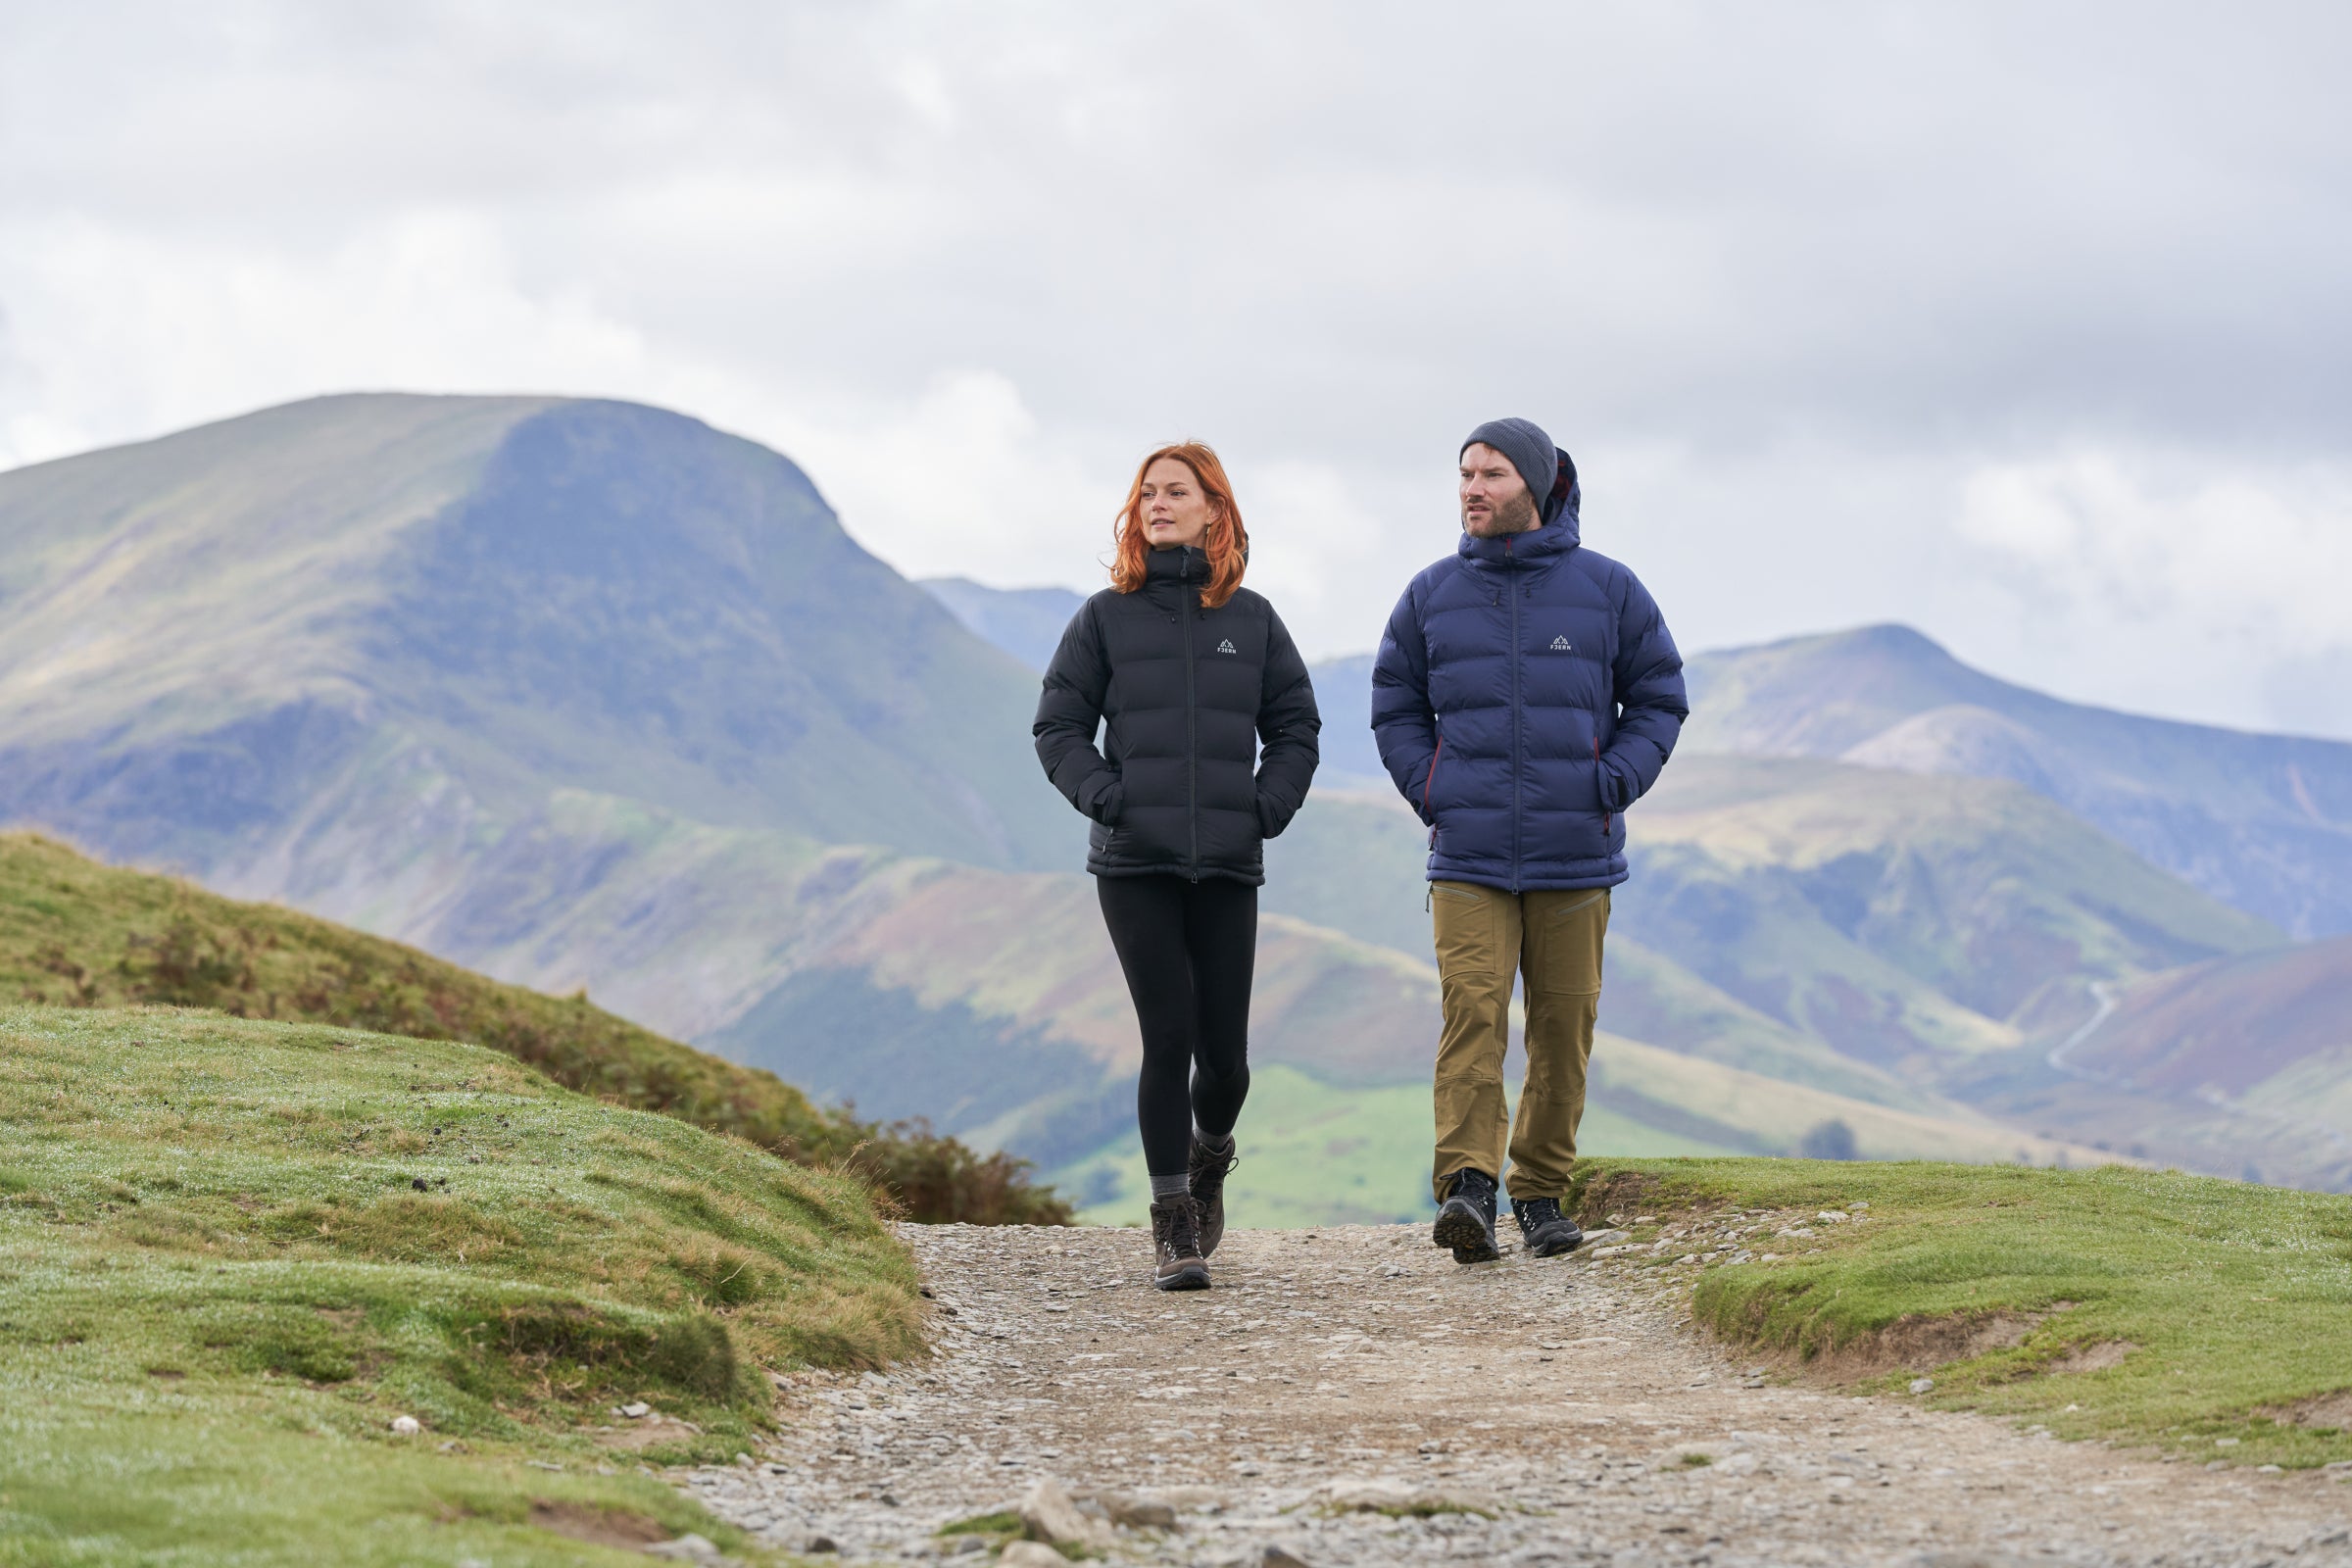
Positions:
{"x": 1342, "y": 1392}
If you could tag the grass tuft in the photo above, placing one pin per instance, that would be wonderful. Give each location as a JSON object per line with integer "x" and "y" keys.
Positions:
{"x": 1004, "y": 1523}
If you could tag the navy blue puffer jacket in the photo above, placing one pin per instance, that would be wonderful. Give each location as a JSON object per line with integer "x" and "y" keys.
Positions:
{"x": 1526, "y": 693}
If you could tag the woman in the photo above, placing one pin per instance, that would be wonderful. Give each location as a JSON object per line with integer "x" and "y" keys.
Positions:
{"x": 1187, "y": 673}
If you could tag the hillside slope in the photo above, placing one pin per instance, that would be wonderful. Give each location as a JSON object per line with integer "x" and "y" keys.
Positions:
{"x": 364, "y": 630}
{"x": 76, "y": 934}
{"x": 2238, "y": 1064}
{"x": 2260, "y": 821}
{"x": 235, "y": 1250}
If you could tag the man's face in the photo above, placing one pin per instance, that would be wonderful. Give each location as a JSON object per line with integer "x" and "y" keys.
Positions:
{"x": 1494, "y": 499}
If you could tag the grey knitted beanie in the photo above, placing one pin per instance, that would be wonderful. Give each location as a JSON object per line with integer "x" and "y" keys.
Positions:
{"x": 1530, "y": 450}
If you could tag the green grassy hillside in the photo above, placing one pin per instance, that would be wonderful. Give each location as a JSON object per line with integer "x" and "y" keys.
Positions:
{"x": 232, "y": 1252}
{"x": 2197, "y": 1314}
{"x": 75, "y": 933}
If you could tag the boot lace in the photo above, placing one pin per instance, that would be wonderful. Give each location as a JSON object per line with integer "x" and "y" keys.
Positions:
{"x": 1210, "y": 1169}
{"x": 1176, "y": 1227}
{"x": 1538, "y": 1212}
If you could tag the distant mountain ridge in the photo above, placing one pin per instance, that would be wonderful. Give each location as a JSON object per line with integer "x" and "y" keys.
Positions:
{"x": 1025, "y": 622}
{"x": 2260, "y": 821}
{"x": 431, "y": 610}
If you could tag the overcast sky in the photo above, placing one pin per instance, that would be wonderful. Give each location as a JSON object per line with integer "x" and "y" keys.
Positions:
{"x": 2027, "y": 324}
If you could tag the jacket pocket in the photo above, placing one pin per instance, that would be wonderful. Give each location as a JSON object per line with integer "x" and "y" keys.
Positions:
{"x": 1429, "y": 787}
{"x": 1612, "y": 793}
{"x": 1110, "y": 802}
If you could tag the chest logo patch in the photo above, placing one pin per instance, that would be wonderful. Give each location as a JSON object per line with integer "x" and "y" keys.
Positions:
{"x": 1559, "y": 645}
{"x": 1226, "y": 647}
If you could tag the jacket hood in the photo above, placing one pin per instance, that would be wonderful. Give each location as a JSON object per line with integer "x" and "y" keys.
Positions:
{"x": 1560, "y": 532}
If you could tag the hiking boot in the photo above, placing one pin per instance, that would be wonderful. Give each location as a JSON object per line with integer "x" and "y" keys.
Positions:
{"x": 1208, "y": 1169}
{"x": 1549, "y": 1232}
{"x": 1466, "y": 1219}
{"x": 1176, "y": 1239}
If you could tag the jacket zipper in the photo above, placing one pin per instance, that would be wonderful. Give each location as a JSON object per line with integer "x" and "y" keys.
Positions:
{"x": 1518, "y": 760}
{"x": 1431, "y": 783}
{"x": 1192, "y": 721}
{"x": 1607, "y": 816}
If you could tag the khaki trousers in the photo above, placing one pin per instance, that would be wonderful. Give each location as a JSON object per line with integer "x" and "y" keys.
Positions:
{"x": 1485, "y": 937}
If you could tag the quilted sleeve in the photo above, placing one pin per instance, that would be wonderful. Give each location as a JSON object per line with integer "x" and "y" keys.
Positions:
{"x": 1404, "y": 725}
{"x": 1070, "y": 711}
{"x": 1651, "y": 699}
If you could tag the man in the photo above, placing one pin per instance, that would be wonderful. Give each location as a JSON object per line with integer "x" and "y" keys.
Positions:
{"x": 1526, "y": 693}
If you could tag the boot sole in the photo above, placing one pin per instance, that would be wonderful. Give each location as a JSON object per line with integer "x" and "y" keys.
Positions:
{"x": 1461, "y": 1230}
{"x": 1190, "y": 1277}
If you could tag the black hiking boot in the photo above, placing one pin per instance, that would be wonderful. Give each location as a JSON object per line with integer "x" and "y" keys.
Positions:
{"x": 1176, "y": 1239}
{"x": 1549, "y": 1232}
{"x": 1466, "y": 1219}
{"x": 1208, "y": 1169}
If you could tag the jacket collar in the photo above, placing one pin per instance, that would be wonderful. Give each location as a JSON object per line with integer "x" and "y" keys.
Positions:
{"x": 1537, "y": 544}
{"x": 1185, "y": 563}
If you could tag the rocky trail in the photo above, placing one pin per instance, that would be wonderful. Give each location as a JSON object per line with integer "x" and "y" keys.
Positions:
{"x": 1351, "y": 1395}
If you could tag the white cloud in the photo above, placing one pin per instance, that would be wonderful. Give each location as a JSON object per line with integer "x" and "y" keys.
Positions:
{"x": 115, "y": 327}
{"x": 961, "y": 481}
{"x": 1824, "y": 302}
{"x": 2184, "y": 585}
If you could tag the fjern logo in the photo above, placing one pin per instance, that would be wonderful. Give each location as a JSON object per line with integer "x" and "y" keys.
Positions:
{"x": 1559, "y": 645}
{"x": 1226, "y": 647}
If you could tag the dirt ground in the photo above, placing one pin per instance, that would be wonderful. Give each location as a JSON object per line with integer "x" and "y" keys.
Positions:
{"x": 1351, "y": 1395}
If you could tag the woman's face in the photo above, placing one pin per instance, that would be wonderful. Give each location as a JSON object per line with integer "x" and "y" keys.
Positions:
{"x": 1175, "y": 510}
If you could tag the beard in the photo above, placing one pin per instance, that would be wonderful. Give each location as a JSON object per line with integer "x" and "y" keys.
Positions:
{"x": 1515, "y": 516}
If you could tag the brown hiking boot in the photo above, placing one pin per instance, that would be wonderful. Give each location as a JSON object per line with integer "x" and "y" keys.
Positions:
{"x": 1176, "y": 1239}
{"x": 1208, "y": 1169}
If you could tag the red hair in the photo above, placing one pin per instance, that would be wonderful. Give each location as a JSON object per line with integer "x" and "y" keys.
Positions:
{"x": 1226, "y": 544}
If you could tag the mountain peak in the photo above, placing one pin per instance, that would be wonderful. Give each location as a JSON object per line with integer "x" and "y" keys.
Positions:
{"x": 505, "y": 591}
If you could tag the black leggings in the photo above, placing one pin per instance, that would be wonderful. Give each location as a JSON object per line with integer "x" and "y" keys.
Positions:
{"x": 1188, "y": 949}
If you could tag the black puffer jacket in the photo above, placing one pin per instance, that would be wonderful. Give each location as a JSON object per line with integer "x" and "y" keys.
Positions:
{"x": 1184, "y": 694}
